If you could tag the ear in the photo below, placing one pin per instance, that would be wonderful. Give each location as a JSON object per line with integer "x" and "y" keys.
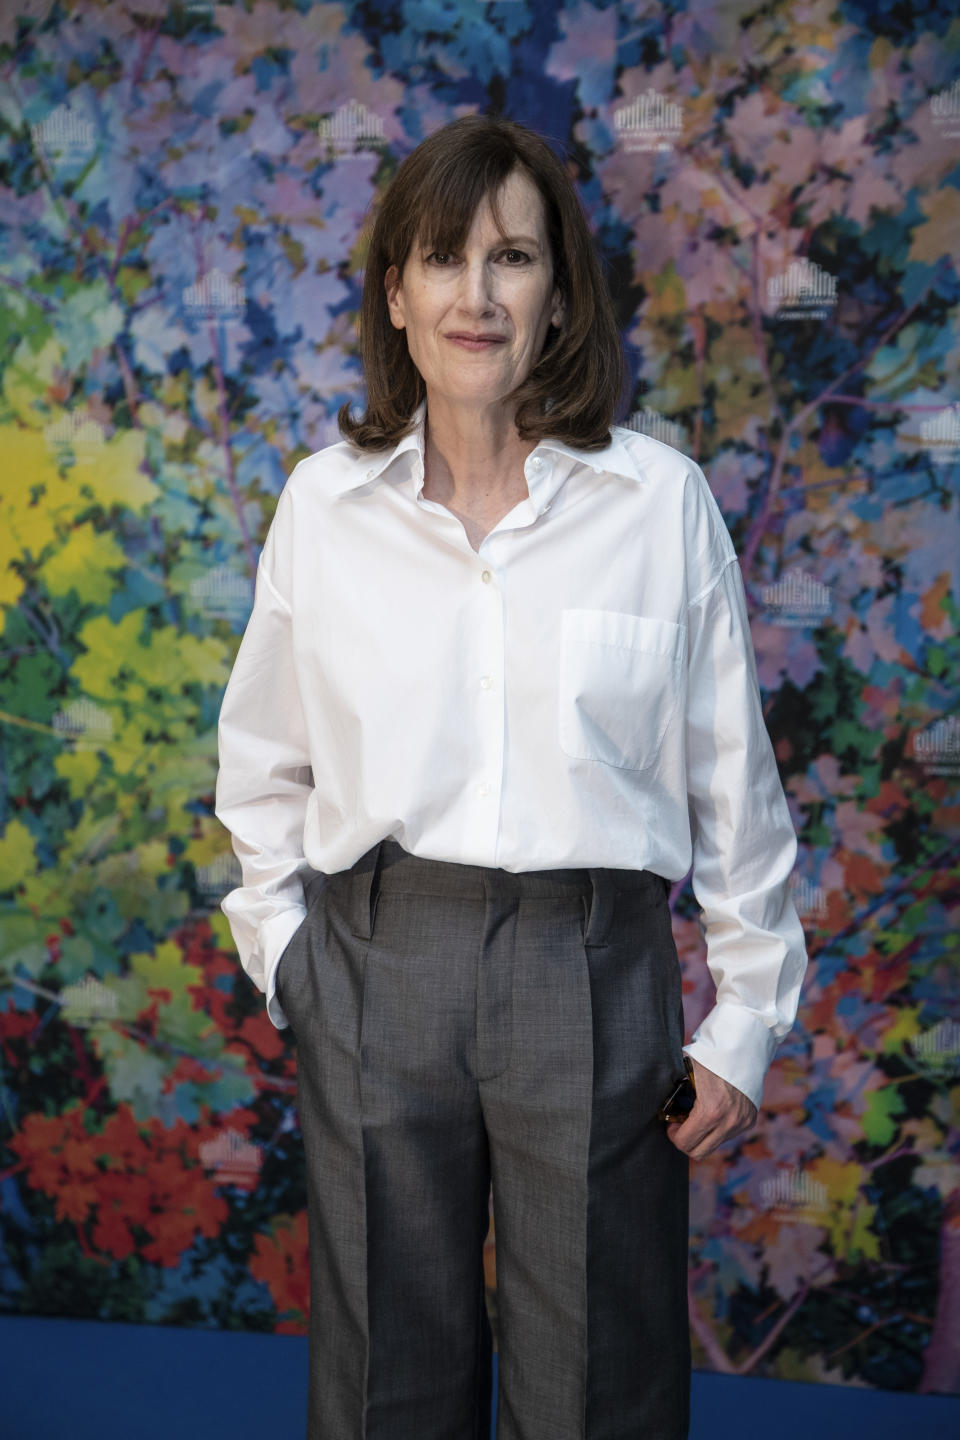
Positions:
{"x": 558, "y": 313}
{"x": 391, "y": 284}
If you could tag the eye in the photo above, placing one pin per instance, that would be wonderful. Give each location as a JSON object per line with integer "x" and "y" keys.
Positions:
{"x": 438, "y": 257}
{"x": 519, "y": 256}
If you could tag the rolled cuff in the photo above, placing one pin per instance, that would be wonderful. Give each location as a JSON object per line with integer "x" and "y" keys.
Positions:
{"x": 735, "y": 1044}
{"x": 275, "y": 935}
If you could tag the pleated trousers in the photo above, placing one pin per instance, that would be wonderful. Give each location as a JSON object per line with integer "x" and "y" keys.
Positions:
{"x": 457, "y": 1025}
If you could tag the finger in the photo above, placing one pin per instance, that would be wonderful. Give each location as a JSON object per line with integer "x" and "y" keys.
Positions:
{"x": 700, "y": 1134}
{"x": 688, "y": 1137}
{"x": 711, "y": 1140}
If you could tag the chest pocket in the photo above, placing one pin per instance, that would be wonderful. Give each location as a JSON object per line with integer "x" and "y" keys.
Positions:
{"x": 621, "y": 679}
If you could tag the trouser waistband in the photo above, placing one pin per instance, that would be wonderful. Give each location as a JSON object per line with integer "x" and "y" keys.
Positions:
{"x": 388, "y": 868}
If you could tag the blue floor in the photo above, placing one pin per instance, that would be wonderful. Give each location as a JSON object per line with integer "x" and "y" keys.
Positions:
{"x": 80, "y": 1380}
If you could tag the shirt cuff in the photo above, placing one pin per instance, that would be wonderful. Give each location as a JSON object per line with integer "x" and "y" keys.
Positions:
{"x": 735, "y": 1044}
{"x": 275, "y": 935}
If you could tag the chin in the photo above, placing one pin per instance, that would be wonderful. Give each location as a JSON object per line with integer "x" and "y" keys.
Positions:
{"x": 471, "y": 395}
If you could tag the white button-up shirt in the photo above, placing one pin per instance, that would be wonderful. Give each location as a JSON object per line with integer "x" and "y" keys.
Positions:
{"x": 580, "y": 691}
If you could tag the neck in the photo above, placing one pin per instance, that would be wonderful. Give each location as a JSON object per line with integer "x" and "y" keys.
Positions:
{"x": 473, "y": 454}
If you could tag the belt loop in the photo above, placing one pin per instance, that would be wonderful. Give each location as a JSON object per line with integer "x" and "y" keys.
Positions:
{"x": 365, "y": 892}
{"x": 598, "y": 906}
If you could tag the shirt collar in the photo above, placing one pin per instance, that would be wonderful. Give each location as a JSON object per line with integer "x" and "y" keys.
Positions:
{"x": 614, "y": 458}
{"x": 368, "y": 467}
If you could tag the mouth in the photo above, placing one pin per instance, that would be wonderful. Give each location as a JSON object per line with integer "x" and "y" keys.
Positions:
{"x": 470, "y": 341}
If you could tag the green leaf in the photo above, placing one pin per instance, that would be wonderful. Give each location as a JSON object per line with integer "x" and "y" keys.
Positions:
{"x": 133, "y": 1073}
{"x": 879, "y": 1125}
{"x": 88, "y": 320}
{"x": 30, "y": 374}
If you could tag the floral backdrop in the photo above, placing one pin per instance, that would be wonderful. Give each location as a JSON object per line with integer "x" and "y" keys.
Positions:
{"x": 774, "y": 192}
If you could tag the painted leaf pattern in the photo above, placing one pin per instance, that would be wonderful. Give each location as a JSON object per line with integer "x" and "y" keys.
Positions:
{"x": 774, "y": 193}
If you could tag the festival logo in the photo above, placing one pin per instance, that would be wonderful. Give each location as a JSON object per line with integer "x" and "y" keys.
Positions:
{"x": 65, "y": 135}
{"x": 85, "y": 723}
{"x": 804, "y": 291}
{"x": 797, "y": 599}
{"x": 217, "y": 879}
{"x": 794, "y": 1196}
{"x": 353, "y": 129}
{"x": 651, "y": 122}
{"x": 76, "y": 433}
{"x": 810, "y": 901}
{"x": 937, "y": 747}
{"x": 89, "y": 1002}
{"x": 659, "y": 427}
{"x": 938, "y": 1049}
{"x": 940, "y": 435}
{"x": 232, "y": 1159}
{"x": 224, "y": 592}
{"x": 945, "y": 110}
{"x": 214, "y": 297}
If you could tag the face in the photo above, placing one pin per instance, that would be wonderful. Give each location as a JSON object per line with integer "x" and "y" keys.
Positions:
{"x": 476, "y": 321}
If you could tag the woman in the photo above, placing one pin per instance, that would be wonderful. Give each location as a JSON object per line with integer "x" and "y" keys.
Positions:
{"x": 495, "y": 695}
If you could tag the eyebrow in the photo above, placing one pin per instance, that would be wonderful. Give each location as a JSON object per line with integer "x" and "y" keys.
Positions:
{"x": 507, "y": 240}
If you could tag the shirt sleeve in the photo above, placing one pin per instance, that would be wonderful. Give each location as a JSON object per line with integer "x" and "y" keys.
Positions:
{"x": 744, "y": 845}
{"x": 264, "y": 783}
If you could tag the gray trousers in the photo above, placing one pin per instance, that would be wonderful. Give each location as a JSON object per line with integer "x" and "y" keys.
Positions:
{"x": 457, "y": 1025}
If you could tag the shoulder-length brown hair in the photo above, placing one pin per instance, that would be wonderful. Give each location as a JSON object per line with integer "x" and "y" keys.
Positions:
{"x": 573, "y": 390}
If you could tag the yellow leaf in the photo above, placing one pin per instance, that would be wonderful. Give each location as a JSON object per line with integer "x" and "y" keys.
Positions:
{"x": 903, "y": 1028}
{"x": 666, "y": 293}
{"x": 165, "y": 966}
{"x": 842, "y": 1180}
{"x": 863, "y": 1242}
{"x": 937, "y": 237}
{"x": 79, "y": 768}
{"x": 11, "y": 588}
{"x": 208, "y": 846}
{"x": 880, "y": 52}
{"x": 18, "y": 855}
{"x": 113, "y": 475}
{"x": 28, "y": 519}
{"x": 177, "y": 658}
{"x": 111, "y": 661}
{"x": 82, "y": 564}
{"x": 220, "y": 927}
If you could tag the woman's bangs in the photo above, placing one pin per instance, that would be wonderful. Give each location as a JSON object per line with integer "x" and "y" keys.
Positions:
{"x": 449, "y": 210}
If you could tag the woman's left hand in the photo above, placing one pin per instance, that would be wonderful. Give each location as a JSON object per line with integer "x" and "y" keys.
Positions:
{"x": 719, "y": 1112}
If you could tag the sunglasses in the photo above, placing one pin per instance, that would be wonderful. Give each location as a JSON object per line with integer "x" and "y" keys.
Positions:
{"x": 679, "y": 1102}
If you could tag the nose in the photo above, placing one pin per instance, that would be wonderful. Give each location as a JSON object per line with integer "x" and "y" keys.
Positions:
{"x": 476, "y": 296}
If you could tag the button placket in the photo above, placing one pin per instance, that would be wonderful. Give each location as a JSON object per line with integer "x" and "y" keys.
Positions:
{"x": 489, "y": 659}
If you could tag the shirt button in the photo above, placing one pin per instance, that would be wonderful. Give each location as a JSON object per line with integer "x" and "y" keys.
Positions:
{"x": 536, "y": 462}
{"x": 485, "y": 683}
{"x": 483, "y": 790}
{"x": 485, "y": 576}
{"x": 369, "y": 474}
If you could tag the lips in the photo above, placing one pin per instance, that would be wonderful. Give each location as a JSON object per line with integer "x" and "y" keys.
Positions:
{"x": 475, "y": 342}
